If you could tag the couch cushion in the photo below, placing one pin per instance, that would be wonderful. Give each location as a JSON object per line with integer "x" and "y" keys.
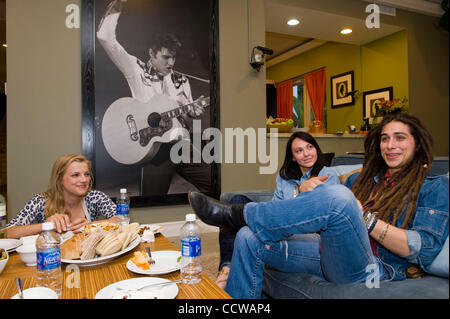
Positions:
{"x": 344, "y": 171}
{"x": 281, "y": 285}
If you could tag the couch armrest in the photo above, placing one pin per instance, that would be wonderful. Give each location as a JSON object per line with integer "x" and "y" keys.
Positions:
{"x": 254, "y": 195}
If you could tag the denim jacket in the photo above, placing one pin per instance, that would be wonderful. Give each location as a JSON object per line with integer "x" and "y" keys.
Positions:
{"x": 285, "y": 189}
{"x": 427, "y": 231}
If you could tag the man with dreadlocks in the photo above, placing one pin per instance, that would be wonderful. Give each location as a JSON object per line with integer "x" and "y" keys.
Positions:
{"x": 395, "y": 215}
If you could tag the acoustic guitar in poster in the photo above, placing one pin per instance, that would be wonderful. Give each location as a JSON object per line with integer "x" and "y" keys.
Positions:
{"x": 132, "y": 131}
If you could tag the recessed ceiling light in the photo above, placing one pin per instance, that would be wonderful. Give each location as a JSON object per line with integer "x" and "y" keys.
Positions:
{"x": 293, "y": 22}
{"x": 346, "y": 31}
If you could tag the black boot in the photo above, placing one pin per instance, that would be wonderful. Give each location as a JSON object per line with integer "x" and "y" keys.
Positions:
{"x": 216, "y": 213}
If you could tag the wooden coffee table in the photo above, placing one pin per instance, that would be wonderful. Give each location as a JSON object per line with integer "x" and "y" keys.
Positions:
{"x": 93, "y": 279}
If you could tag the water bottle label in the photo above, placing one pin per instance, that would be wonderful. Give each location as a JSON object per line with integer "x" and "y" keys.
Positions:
{"x": 48, "y": 260}
{"x": 191, "y": 247}
{"x": 122, "y": 209}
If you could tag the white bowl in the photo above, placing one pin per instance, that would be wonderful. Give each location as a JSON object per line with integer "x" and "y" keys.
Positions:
{"x": 3, "y": 262}
{"x": 28, "y": 254}
{"x": 37, "y": 293}
{"x": 29, "y": 240}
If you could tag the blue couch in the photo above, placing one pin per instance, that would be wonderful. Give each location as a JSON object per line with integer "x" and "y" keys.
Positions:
{"x": 283, "y": 285}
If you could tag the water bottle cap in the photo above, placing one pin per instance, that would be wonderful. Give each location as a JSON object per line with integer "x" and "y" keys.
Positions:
{"x": 190, "y": 217}
{"x": 48, "y": 226}
{"x": 123, "y": 190}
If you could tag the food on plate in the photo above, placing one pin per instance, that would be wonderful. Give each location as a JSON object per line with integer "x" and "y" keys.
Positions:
{"x": 105, "y": 226}
{"x": 140, "y": 259}
{"x": 71, "y": 249}
{"x": 142, "y": 229}
{"x": 154, "y": 228}
{"x": 109, "y": 245}
{"x": 88, "y": 246}
{"x": 131, "y": 227}
{"x": 2, "y": 254}
{"x": 132, "y": 231}
{"x": 135, "y": 294}
{"x": 99, "y": 241}
{"x": 148, "y": 236}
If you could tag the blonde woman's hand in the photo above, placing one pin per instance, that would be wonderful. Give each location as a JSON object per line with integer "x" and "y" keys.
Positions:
{"x": 61, "y": 222}
{"x": 78, "y": 224}
{"x": 312, "y": 183}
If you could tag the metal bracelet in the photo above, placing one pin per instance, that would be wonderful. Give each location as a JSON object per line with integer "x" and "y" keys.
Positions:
{"x": 383, "y": 233}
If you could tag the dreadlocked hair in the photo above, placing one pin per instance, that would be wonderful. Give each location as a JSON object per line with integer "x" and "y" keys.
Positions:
{"x": 391, "y": 200}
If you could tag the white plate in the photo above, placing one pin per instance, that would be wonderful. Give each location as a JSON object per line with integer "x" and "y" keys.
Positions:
{"x": 155, "y": 227}
{"x": 105, "y": 259}
{"x": 10, "y": 244}
{"x": 162, "y": 292}
{"x": 165, "y": 262}
{"x": 37, "y": 293}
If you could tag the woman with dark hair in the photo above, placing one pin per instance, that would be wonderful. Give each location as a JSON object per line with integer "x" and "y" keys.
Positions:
{"x": 395, "y": 214}
{"x": 302, "y": 170}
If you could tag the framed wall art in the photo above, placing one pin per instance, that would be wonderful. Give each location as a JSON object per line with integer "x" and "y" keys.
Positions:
{"x": 371, "y": 100}
{"x": 150, "y": 81}
{"x": 341, "y": 86}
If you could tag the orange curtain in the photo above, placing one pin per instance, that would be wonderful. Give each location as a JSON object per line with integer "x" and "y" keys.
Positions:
{"x": 285, "y": 99}
{"x": 316, "y": 83}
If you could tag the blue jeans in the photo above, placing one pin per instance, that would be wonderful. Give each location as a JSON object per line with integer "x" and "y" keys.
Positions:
{"x": 227, "y": 237}
{"x": 321, "y": 232}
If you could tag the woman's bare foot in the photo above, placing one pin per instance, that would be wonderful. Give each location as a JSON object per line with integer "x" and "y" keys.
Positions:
{"x": 222, "y": 277}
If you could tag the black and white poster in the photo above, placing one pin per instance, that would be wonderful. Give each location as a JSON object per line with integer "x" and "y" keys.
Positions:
{"x": 150, "y": 88}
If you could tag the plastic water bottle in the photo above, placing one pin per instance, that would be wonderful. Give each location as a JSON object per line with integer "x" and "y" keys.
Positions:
{"x": 191, "y": 265}
{"x": 123, "y": 207}
{"x": 48, "y": 259}
{"x": 2, "y": 217}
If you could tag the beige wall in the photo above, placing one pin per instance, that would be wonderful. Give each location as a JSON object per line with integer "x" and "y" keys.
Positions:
{"x": 44, "y": 95}
{"x": 44, "y": 90}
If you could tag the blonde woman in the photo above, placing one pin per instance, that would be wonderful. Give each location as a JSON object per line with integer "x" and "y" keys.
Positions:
{"x": 69, "y": 202}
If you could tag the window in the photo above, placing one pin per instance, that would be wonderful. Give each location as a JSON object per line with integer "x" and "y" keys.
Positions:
{"x": 302, "y": 112}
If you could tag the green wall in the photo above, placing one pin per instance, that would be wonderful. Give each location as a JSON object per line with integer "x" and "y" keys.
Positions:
{"x": 378, "y": 64}
{"x": 385, "y": 63}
